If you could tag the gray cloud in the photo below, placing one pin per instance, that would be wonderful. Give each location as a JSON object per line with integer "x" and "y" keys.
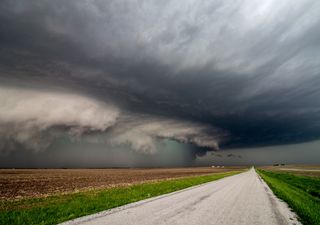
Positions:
{"x": 140, "y": 133}
{"x": 34, "y": 119}
{"x": 234, "y": 74}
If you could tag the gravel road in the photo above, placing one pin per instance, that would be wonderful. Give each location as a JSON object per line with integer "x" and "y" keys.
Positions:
{"x": 239, "y": 199}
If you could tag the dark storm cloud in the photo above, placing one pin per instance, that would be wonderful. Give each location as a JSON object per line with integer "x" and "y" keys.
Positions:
{"x": 234, "y": 74}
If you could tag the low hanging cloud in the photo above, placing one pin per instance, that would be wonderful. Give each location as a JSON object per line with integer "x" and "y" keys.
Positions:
{"x": 34, "y": 119}
{"x": 142, "y": 133}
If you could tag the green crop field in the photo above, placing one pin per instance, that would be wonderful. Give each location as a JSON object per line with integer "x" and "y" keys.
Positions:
{"x": 300, "y": 192}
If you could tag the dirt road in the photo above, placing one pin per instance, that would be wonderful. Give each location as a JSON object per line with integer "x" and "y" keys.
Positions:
{"x": 239, "y": 199}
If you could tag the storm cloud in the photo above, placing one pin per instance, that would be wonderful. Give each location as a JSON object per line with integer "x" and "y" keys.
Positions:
{"x": 214, "y": 74}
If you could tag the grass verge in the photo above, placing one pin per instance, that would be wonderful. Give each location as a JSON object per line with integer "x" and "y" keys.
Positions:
{"x": 59, "y": 208}
{"x": 300, "y": 192}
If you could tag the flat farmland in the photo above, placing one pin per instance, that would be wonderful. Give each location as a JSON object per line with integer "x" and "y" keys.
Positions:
{"x": 298, "y": 186}
{"x": 303, "y": 170}
{"x": 30, "y": 183}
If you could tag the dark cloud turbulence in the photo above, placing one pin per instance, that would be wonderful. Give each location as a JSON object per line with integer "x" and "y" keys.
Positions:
{"x": 133, "y": 75}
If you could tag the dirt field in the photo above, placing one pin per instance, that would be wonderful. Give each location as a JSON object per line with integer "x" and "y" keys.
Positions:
{"x": 25, "y": 183}
{"x": 305, "y": 170}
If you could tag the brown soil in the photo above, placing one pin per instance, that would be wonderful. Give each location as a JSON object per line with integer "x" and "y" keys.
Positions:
{"x": 26, "y": 183}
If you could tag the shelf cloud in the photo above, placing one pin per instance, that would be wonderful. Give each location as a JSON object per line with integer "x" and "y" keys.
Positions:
{"x": 33, "y": 119}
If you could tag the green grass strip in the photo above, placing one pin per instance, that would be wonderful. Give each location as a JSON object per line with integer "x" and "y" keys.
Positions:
{"x": 300, "y": 192}
{"x": 59, "y": 208}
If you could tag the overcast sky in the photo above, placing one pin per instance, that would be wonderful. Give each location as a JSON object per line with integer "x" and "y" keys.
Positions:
{"x": 107, "y": 83}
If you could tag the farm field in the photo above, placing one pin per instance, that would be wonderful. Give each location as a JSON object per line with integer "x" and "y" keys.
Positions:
{"x": 61, "y": 207}
{"x": 30, "y": 183}
{"x": 298, "y": 187}
{"x": 304, "y": 170}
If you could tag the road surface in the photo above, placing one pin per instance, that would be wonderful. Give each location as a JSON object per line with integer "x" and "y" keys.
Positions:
{"x": 236, "y": 200}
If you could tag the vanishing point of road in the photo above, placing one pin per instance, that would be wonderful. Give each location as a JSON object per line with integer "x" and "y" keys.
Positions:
{"x": 240, "y": 199}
